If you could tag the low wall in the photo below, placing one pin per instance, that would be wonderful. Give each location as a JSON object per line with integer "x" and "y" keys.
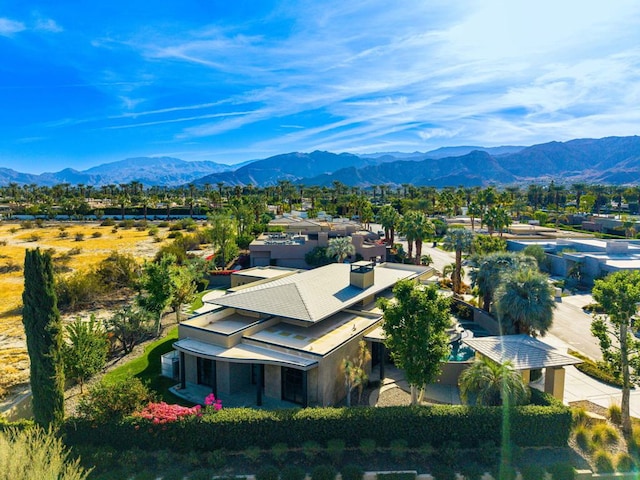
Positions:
{"x": 451, "y": 371}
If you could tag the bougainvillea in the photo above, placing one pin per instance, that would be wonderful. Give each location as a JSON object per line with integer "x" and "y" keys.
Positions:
{"x": 211, "y": 401}
{"x": 162, "y": 412}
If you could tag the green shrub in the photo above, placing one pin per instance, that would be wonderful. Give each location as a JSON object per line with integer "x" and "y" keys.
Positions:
{"x": 351, "y": 472}
{"x": 562, "y": 471}
{"x": 448, "y": 452}
{"x": 34, "y": 237}
{"x": 439, "y": 471}
{"x": 216, "y": 458}
{"x": 238, "y": 428}
{"x": 624, "y": 462}
{"x": 506, "y": 472}
{"x": 173, "y": 473}
{"x": 279, "y": 452}
{"x": 398, "y": 448}
{"x": 252, "y": 454}
{"x": 108, "y": 222}
{"x": 595, "y": 370}
{"x": 614, "y": 413}
{"x": 472, "y": 471}
{"x": 311, "y": 449}
{"x": 579, "y": 416}
{"x": 292, "y": 472}
{"x": 79, "y": 237}
{"x": 268, "y": 472}
{"x": 63, "y": 234}
{"x": 604, "y": 434}
{"x": 108, "y": 402}
{"x": 153, "y": 231}
{"x": 603, "y": 461}
{"x": 96, "y": 234}
{"x": 532, "y": 472}
{"x": 145, "y": 475}
{"x": 335, "y": 449}
{"x": 367, "y": 446}
{"x": 323, "y": 472}
{"x": 200, "y": 474}
{"x": 583, "y": 437}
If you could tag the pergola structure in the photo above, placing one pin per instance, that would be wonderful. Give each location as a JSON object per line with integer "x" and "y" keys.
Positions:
{"x": 526, "y": 354}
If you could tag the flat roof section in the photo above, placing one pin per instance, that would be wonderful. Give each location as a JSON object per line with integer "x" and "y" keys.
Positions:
{"x": 320, "y": 338}
{"x": 228, "y": 325}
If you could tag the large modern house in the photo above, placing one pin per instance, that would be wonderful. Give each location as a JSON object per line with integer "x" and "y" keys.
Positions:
{"x": 285, "y": 336}
{"x": 300, "y": 236}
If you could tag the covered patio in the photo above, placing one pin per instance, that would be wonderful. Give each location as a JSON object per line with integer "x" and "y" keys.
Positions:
{"x": 527, "y": 353}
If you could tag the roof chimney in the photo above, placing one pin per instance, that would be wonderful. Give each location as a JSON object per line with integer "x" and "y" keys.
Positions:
{"x": 362, "y": 275}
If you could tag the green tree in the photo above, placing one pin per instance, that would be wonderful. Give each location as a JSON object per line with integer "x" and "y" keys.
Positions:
{"x": 489, "y": 383}
{"x": 157, "y": 287}
{"x": 488, "y": 270}
{"x": 389, "y": 218}
{"x": 340, "y": 248}
{"x": 43, "y": 329}
{"x": 86, "y": 349}
{"x": 415, "y": 324}
{"x": 416, "y": 227}
{"x": 619, "y": 296}
{"x": 524, "y": 302}
{"x": 130, "y": 326}
{"x": 459, "y": 240}
{"x": 223, "y": 236}
{"x": 537, "y": 252}
{"x": 496, "y": 218}
{"x": 185, "y": 282}
{"x": 485, "y": 244}
{"x": 355, "y": 375}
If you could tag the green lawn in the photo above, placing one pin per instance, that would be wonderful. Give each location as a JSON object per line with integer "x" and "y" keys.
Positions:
{"x": 147, "y": 368}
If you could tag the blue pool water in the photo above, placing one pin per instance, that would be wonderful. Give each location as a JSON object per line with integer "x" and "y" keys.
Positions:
{"x": 461, "y": 352}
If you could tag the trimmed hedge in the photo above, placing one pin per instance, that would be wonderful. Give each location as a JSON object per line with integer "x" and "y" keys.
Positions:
{"x": 238, "y": 429}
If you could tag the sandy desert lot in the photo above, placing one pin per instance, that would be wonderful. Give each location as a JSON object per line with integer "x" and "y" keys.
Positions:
{"x": 96, "y": 244}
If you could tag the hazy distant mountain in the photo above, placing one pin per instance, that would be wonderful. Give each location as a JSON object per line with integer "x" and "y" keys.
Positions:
{"x": 289, "y": 166}
{"x": 147, "y": 170}
{"x": 471, "y": 169}
{"x": 611, "y": 160}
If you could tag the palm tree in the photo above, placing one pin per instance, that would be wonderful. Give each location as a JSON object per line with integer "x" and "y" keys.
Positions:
{"x": 460, "y": 240}
{"x": 389, "y": 218}
{"x": 524, "y": 302}
{"x": 341, "y": 248}
{"x": 492, "y": 384}
{"x": 489, "y": 269}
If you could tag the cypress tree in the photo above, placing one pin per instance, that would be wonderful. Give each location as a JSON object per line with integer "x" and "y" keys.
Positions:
{"x": 43, "y": 328}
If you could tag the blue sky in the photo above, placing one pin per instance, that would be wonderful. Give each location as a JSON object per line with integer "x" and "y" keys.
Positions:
{"x": 88, "y": 83}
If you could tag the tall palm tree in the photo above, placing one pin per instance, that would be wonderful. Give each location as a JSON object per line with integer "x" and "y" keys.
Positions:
{"x": 340, "y": 248}
{"x": 492, "y": 384}
{"x": 389, "y": 218}
{"x": 459, "y": 240}
{"x": 489, "y": 269}
{"x": 524, "y": 302}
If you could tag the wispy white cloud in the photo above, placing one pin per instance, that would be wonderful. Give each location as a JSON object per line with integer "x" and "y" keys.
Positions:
{"x": 9, "y": 27}
{"x": 48, "y": 25}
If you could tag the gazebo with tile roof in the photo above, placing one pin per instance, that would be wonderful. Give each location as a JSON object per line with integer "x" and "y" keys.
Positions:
{"x": 526, "y": 354}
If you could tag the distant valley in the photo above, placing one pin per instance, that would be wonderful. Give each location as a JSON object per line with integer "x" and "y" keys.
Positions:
{"x": 611, "y": 160}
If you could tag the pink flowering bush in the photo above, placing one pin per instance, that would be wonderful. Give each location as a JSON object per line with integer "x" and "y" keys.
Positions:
{"x": 162, "y": 412}
{"x": 211, "y": 401}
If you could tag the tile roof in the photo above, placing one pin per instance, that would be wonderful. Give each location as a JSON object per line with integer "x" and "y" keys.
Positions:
{"x": 524, "y": 351}
{"x": 313, "y": 295}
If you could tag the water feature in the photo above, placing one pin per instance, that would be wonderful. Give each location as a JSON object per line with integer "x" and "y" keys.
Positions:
{"x": 459, "y": 351}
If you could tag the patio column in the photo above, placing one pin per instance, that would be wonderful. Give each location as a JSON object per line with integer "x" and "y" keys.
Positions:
{"x": 183, "y": 380}
{"x": 305, "y": 388}
{"x": 383, "y": 353}
{"x": 526, "y": 376}
{"x": 554, "y": 382}
{"x": 214, "y": 378}
{"x": 259, "y": 385}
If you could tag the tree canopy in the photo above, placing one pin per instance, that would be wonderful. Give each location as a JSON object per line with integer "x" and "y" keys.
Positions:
{"x": 415, "y": 324}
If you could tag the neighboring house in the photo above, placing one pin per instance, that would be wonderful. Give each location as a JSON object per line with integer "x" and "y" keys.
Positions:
{"x": 592, "y": 258}
{"x": 286, "y": 338}
{"x": 288, "y": 249}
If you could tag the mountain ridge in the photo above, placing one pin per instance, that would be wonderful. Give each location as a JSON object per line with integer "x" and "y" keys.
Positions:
{"x": 612, "y": 160}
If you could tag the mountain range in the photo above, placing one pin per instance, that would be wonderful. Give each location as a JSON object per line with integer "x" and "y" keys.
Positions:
{"x": 611, "y": 160}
